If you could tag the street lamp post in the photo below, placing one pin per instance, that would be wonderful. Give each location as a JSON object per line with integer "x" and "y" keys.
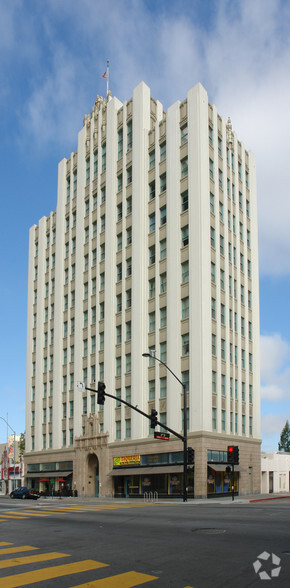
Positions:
{"x": 184, "y": 423}
{"x": 13, "y": 447}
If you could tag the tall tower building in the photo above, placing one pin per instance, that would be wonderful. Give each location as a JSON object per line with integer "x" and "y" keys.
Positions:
{"x": 153, "y": 248}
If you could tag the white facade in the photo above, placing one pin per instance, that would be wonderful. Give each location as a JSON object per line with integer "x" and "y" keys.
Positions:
{"x": 275, "y": 472}
{"x": 153, "y": 245}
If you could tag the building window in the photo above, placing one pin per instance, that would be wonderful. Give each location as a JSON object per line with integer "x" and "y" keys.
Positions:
{"x": 152, "y": 222}
{"x": 118, "y": 302}
{"x": 162, "y": 152}
{"x": 118, "y": 366}
{"x": 183, "y": 134}
{"x": 163, "y": 317}
{"x": 163, "y": 283}
{"x": 128, "y": 428}
{"x": 103, "y": 157}
{"x": 102, "y": 310}
{"x": 184, "y": 167}
{"x": 162, "y": 182}
{"x": 163, "y": 215}
{"x": 184, "y": 271}
{"x": 162, "y": 249}
{"x": 213, "y": 381}
{"x": 185, "y": 307}
{"x": 151, "y": 385}
{"x": 95, "y": 163}
{"x": 151, "y": 288}
{"x": 152, "y": 190}
{"x": 128, "y": 362}
{"x": 120, "y": 143}
{"x": 101, "y": 340}
{"x": 163, "y": 387}
{"x": 212, "y": 237}
{"x": 184, "y": 236}
{"x": 214, "y": 419}
{"x": 163, "y": 351}
{"x": 128, "y": 267}
{"x": 128, "y": 330}
{"x": 210, "y": 135}
{"x": 151, "y": 254}
{"x": 185, "y": 344}
{"x": 129, "y": 135}
{"x": 213, "y": 308}
{"x": 151, "y": 322}
{"x": 152, "y": 159}
{"x": 213, "y": 344}
{"x": 223, "y": 415}
{"x": 118, "y": 430}
{"x": 184, "y": 201}
{"x": 128, "y": 298}
{"x": 119, "y": 272}
{"x": 87, "y": 171}
{"x": 129, "y": 175}
{"x": 129, "y": 235}
{"x": 211, "y": 169}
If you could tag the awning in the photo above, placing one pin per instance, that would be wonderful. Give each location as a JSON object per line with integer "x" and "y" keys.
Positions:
{"x": 48, "y": 474}
{"x": 170, "y": 469}
{"x": 221, "y": 467}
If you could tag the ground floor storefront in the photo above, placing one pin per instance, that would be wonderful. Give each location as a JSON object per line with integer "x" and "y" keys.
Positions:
{"x": 136, "y": 468}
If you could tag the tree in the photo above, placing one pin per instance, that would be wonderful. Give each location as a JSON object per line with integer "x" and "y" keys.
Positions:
{"x": 21, "y": 443}
{"x": 284, "y": 444}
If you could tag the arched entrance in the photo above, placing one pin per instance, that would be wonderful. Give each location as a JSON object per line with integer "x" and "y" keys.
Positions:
{"x": 93, "y": 474}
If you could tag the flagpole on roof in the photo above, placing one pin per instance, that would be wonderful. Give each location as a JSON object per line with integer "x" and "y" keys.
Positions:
{"x": 107, "y": 78}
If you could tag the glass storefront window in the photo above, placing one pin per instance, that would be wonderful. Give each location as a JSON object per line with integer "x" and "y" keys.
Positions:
{"x": 220, "y": 482}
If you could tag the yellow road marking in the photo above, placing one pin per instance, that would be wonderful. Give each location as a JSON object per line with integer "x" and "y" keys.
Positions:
{"x": 18, "y": 517}
{"x": 8, "y": 550}
{"x": 3, "y": 543}
{"x": 27, "y": 559}
{"x": 25, "y": 513}
{"x": 48, "y": 573}
{"x": 126, "y": 580}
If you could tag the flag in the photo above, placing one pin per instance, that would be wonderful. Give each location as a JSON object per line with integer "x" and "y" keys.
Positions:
{"x": 104, "y": 75}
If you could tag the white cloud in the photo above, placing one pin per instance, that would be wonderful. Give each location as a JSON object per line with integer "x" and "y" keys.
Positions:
{"x": 241, "y": 54}
{"x": 271, "y": 427}
{"x": 275, "y": 368}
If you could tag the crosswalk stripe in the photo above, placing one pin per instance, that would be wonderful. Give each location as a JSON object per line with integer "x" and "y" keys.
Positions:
{"x": 126, "y": 580}
{"x": 18, "y": 517}
{"x": 8, "y": 550}
{"x": 27, "y": 559}
{"x": 25, "y": 513}
{"x": 27, "y": 578}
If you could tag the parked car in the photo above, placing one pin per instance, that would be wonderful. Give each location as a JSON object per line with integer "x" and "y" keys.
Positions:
{"x": 24, "y": 492}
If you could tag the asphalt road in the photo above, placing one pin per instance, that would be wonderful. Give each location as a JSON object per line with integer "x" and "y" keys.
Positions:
{"x": 70, "y": 543}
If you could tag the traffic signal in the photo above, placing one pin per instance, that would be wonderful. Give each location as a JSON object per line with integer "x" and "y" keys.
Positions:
{"x": 190, "y": 455}
{"x": 233, "y": 454}
{"x": 101, "y": 392}
{"x": 236, "y": 455}
{"x": 153, "y": 418}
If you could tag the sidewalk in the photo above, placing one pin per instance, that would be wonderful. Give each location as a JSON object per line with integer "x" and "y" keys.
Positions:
{"x": 192, "y": 502}
{"x": 81, "y": 500}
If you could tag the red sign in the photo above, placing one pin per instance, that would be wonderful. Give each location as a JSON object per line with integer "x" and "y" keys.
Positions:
{"x": 163, "y": 436}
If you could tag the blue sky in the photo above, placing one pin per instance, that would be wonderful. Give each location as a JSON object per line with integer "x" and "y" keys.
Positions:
{"x": 52, "y": 54}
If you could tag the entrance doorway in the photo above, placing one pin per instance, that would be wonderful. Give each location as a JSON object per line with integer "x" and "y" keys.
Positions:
{"x": 93, "y": 474}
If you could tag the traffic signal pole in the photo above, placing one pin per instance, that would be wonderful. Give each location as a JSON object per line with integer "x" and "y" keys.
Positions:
{"x": 148, "y": 416}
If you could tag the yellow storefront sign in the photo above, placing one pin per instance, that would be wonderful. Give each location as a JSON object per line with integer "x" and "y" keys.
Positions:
{"x": 126, "y": 460}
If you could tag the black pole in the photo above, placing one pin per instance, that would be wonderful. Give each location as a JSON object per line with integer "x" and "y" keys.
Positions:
{"x": 184, "y": 444}
{"x": 233, "y": 482}
{"x": 184, "y": 424}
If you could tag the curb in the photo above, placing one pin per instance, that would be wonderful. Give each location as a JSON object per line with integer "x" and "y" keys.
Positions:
{"x": 270, "y": 498}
